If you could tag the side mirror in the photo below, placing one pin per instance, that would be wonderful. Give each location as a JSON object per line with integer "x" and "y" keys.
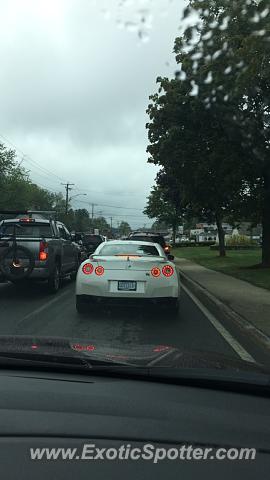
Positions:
{"x": 170, "y": 257}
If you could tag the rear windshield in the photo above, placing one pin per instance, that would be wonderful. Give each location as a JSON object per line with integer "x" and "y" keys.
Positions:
{"x": 125, "y": 249}
{"x": 28, "y": 230}
{"x": 92, "y": 239}
{"x": 159, "y": 240}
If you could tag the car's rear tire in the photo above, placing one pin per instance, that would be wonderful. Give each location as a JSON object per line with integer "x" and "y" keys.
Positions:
{"x": 80, "y": 305}
{"x": 73, "y": 274}
{"x": 54, "y": 280}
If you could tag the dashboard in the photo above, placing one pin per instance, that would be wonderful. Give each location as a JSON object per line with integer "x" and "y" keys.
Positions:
{"x": 55, "y": 410}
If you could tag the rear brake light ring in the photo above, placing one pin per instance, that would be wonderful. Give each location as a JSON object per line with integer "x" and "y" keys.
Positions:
{"x": 99, "y": 270}
{"x": 87, "y": 268}
{"x": 168, "y": 271}
{"x": 155, "y": 272}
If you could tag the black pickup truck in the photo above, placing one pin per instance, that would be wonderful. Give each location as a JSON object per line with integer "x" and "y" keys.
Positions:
{"x": 37, "y": 248}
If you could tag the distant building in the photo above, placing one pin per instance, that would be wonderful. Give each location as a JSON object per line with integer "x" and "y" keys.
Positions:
{"x": 247, "y": 229}
{"x": 207, "y": 232}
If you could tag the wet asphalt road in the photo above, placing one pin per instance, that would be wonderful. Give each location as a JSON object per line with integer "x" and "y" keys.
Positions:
{"x": 30, "y": 310}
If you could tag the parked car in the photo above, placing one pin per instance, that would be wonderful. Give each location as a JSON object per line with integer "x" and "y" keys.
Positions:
{"x": 37, "y": 248}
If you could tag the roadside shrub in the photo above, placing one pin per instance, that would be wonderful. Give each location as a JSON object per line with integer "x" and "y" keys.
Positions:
{"x": 194, "y": 244}
{"x": 237, "y": 247}
{"x": 239, "y": 240}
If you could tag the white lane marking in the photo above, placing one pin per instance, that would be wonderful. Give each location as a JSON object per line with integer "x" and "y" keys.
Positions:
{"x": 43, "y": 307}
{"x": 235, "y": 345}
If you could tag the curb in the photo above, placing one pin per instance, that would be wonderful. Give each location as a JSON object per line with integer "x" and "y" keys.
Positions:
{"x": 222, "y": 311}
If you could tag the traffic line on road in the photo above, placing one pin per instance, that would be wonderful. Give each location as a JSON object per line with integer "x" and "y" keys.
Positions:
{"x": 234, "y": 344}
{"x": 42, "y": 308}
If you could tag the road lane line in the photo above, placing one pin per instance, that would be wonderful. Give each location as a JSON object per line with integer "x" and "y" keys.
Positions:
{"x": 234, "y": 344}
{"x": 43, "y": 307}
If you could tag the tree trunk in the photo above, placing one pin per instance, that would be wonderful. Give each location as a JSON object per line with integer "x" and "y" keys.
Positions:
{"x": 266, "y": 221}
{"x": 221, "y": 236}
{"x": 173, "y": 234}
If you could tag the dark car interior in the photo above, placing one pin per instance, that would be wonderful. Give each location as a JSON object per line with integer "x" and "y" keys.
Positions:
{"x": 41, "y": 409}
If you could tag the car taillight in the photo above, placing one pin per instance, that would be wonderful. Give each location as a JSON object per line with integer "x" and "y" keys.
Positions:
{"x": 168, "y": 271}
{"x": 87, "y": 268}
{"x": 99, "y": 270}
{"x": 155, "y": 272}
{"x": 43, "y": 251}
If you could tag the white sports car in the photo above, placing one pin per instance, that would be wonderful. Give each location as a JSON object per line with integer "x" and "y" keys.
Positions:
{"x": 128, "y": 273}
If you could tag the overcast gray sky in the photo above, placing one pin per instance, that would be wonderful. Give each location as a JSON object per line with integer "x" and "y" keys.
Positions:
{"x": 74, "y": 85}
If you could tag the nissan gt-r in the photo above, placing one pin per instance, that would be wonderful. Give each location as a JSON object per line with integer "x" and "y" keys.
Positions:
{"x": 128, "y": 273}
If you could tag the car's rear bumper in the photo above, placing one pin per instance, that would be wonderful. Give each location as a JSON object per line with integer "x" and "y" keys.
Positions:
{"x": 108, "y": 287}
{"x": 93, "y": 300}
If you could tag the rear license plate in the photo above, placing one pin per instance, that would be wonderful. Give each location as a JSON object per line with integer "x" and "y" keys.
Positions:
{"x": 127, "y": 286}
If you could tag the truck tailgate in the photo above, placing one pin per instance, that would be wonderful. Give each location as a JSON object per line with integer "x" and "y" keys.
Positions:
{"x": 32, "y": 245}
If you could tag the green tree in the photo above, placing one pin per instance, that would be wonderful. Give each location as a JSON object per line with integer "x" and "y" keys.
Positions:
{"x": 102, "y": 225}
{"x": 191, "y": 145}
{"x": 159, "y": 226}
{"x": 164, "y": 203}
{"x": 124, "y": 228}
{"x": 202, "y": 124}
{"x": 82, "y": 221}
{"x": 226, "y": 55}
{"x": 17, "y": 191}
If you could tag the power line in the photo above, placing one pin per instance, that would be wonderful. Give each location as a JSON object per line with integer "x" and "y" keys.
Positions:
{"x": 109, "y": 193}
{"x": 117, "y": 206}
{"x": 121, "y": 215}
{"x": 44, "y": 170}
{"x": 49, "y": 173}
{"x": 124, "y": 215}
{"x": 27, "y": 158}
{"x": 44, "y": 187}
{"x": 42, "y": 175}
{"x": 111, "y": 206}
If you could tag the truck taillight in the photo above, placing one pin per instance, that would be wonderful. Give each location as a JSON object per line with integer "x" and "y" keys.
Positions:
{"x": 43, "y": 251}
{"x": 27, "y": 219}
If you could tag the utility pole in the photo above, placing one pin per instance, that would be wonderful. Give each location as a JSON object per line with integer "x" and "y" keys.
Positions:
{"x": 93, "y": 209}
{"x": 111, "y": 223}
{"x": 68, "y": 188}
